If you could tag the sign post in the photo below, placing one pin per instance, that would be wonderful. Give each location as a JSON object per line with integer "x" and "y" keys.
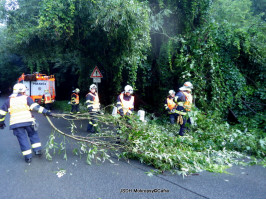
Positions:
{"x": 96, "y": 75}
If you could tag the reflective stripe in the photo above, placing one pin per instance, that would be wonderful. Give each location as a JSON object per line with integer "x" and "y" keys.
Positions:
{"x": 95, "y": 104}
{"x": 35, "y": 145}
{"x": 40, "y": 109}
{"x": 33, "y": 105}
{"x": 180, "y": 103}
{"x": 48, "y": 98}
{"x": 3, "y": 119}
{"x": 180, "y": 112}
{"x": 3, "y": 112}
{"x": 93, "y": 124}
{"x": 24, "y": 153}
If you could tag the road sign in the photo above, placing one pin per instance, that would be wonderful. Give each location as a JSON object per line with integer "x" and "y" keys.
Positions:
{"x": 96, "y": 73}
{"x": 96, "y": 80}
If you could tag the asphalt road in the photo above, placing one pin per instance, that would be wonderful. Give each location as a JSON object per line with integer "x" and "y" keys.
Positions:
{"x": 39, "y": 179}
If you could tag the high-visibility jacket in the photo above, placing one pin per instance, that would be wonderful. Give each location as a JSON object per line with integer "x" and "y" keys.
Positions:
{"x": 170, "y": 103}
{"x": 46, "y": 98}
{"x": 127, "y": 104}
{"x": 19, "y": 107}
{"x": 184, "y": 102}
{"x": 75, "y": 98}
{"x": 93, "y": 102}
{"x": 188, "y": 102}
{"x": 19, "y": 110}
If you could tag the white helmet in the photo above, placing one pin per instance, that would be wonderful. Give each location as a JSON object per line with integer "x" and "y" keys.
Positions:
{"x": 19, "y": 88}
{"x": 188, "y": 84}
{"x": 171, "y": 92}
{"x": 77, "y": 90}
{"x": 93, "y": 86}
{"x": 129, "y": 89}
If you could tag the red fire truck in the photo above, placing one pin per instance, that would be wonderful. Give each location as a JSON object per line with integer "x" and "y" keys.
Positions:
{"x": 38, "y": 84}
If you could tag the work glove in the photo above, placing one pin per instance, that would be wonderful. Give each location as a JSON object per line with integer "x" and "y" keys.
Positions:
{"x": 2, "y": 126}
{"x": 49, "y": 114}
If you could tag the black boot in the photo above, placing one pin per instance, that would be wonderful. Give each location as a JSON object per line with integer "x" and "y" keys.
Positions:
{"x": 39, "y": 152}
{"x": 28, "y": 160}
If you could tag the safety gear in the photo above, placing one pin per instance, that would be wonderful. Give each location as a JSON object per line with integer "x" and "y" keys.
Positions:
{"x": 77, "y": 90}
{"x": 95, "y": 104}
{"x": 27, "y": 144}
{"x": 47, "y": 97}
{"x": 93, "y": 86}
{"x": 75, "y": 99}
{"x": 49, "y": 114}
{"x": 19, "y": 110}
{"x": 188, "y": 103}
{"x": 28, "y": 160}
{"x": 19, "y": 88}
{"x": 127, "y": 105}
{"x": 38, "y": 153}
{"x": 171, "y": 104}
{"x": 188, "y": 84}
{"x": 129, "y": 89}
{"x": 171, "y": 92}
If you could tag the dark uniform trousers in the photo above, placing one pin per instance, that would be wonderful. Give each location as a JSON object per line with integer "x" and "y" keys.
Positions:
{"x": 23, "y": 139}
{"x": 183, "y": 127}
{"x": 173, "y": 118}
{"x": 92, "y": 122}
{"x": 75, "y": 107}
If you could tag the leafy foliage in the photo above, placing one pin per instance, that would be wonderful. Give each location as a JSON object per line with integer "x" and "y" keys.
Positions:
{"x": 207, "y": 146}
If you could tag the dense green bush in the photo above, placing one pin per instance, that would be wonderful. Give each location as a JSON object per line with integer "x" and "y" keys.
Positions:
{"x": 210, "y": 144}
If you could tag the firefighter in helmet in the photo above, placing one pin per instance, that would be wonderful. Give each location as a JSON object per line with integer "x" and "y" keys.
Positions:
{"x": 75, "y": 101}
{"x": 184, "y": 100}
{"x": 47, "y": 100}
{"x": 125, "y": 102}
{"x": 93, "y": 106}
{"x": 21, "y": 120}
{"x": 170, "y": 107}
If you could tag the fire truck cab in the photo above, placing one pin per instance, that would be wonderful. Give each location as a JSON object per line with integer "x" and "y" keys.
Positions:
{"x": 37, "y": 85}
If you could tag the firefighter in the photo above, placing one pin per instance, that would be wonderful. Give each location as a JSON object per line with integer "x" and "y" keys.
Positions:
{"x": 184, "y": 103}
{"x": 125, "y": 102}
{"x": 93, "y": 106}
{"x": 47, "y": 100}
{"x": 170, "y": 107}
{"x": 125, "y": 106}
{"x": 75, "y": 101}
{"x": 21, "y": 121}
